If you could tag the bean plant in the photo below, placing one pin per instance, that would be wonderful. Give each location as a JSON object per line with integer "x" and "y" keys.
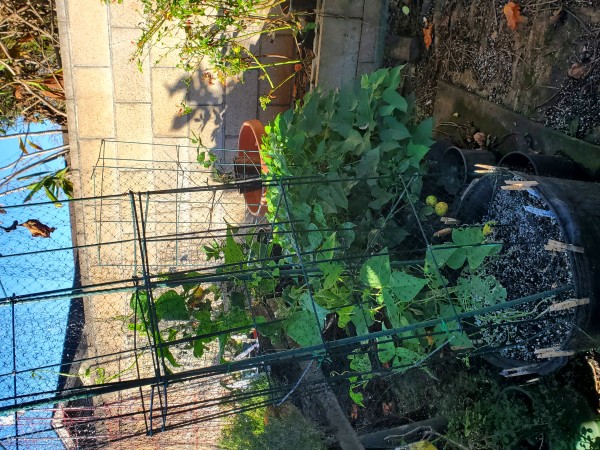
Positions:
{"x": 344, "y": 181}
{"x": 363, "y": 150}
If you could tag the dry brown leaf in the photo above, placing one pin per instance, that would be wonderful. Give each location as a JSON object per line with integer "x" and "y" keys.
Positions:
{"x": 428, "y": 36}
{"x": 512, "y": 11}
{"x": 354, "y": 411}
{"x": 480, "y": 139}
{"x": 387, "y": 408}
{"x": 442, "y": 232}
{"x": 13, "y": 227}
{"x": 578, "y": 71}
{"x": 37, "y": 228}
{"x": 208, "y": 78}
{"x": 557, "y": 17}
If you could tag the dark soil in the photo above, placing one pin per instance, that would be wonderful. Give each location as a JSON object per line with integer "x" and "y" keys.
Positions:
{"x": 525, "y": 268}
{"x": 526, "y": 70}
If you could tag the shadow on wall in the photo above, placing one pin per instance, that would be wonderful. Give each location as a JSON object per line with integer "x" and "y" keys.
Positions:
{"x": 242, "y": 97}
{"x": 217, "y": 112}
{"x": 204, "y": 105}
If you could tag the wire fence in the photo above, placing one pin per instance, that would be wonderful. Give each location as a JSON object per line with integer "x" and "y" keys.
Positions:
{"x": 183, "y": 307}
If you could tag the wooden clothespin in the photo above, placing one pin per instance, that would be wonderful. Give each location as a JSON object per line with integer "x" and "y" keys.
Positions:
{"x": 567, "y": 304}
{"x": 556, "y": 246}
{"x": 523, "y": 182}
{"x": 484, "y": 168}
{"x": 518, "y": 185}
{"x": 450, "y": 221}
{"x": 442, "y": 232}
{"x": 517, "y": 371}
{"x": 552, "y": 352}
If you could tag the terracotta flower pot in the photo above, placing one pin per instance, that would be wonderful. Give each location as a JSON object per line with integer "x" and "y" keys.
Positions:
{"x": 249, "y": 165}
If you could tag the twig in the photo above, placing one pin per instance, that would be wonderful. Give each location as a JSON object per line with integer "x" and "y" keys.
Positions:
{"x": 23, "y": 156}
{"x": 26, "y": 86}
{"x": 583, "y": 25}
{"x": 39, "y": 30}
{"x": 296, "y": 385}
{"x": 542, "y": 104}
{"x": 5, "y": 181}
{"x": 516, "y": 56}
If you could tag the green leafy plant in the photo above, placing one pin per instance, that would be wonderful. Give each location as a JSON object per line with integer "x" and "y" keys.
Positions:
{"x": 200, "y": 311}
{"x": 52, "y": 185}
{"x": 269, "y": 427}
{"x": 217, "y": 36}
{"x": 365, "y": 133}
{"x": 486, "y": 413}
{"x": 364, "y": 152}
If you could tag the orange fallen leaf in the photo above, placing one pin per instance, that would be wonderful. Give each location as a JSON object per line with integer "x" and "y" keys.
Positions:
{"x": 578, "y": 71}
{"x": 512, "y": 11}
{"x": 428, "y": 36}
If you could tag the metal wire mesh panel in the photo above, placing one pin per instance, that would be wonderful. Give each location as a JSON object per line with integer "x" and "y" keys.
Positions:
{"x": 185, "y": 308}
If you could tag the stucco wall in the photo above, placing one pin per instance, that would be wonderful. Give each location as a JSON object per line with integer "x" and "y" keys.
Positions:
{"x": 136, "y": 114}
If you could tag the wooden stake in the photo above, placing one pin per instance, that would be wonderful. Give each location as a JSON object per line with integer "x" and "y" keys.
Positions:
{"x": 567, "y": 304}
{"x": 556, "y": 246}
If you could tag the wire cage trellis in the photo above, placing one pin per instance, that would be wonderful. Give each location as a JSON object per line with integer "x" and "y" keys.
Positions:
{"x": 182, "y": 302}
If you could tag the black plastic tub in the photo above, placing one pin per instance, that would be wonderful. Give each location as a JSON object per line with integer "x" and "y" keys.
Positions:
{"x": 458, "y": 167}
{"x": 540, "y": 165}
{"x": 575, "y": 207}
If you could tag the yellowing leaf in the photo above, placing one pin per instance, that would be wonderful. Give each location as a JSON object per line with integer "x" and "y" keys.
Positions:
{"x": 37, "y": 147}
{"x": 512, "y": 11}
{"x": 22, "y": 146}
{"x": 422, "y": 445}
{"x": 428, "y": 36}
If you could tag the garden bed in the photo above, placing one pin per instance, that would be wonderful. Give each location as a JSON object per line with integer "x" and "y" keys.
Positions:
{"x": 524, "y": 222}
{"x": 546, "y": 69}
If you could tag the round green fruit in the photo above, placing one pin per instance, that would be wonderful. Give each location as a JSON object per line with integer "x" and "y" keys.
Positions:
{"x": 431, "y": 200}
{"x": 441, "y": 208}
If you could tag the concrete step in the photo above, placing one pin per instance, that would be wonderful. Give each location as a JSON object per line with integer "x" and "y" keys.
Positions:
{"x": 349, "y": 40}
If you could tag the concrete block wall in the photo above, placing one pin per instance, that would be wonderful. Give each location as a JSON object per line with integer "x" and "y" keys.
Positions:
{"x": 349, "y": 40}
{"x": 109, "y": 98}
